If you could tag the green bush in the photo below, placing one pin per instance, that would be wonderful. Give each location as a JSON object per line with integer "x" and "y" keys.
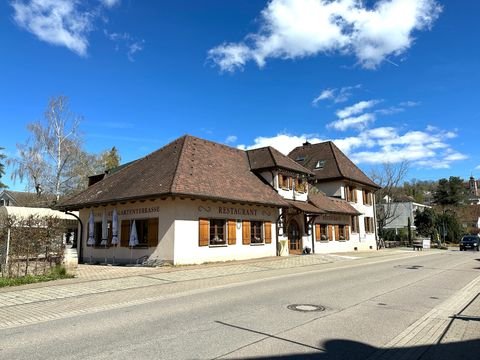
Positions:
{"x": 58, "y": 272}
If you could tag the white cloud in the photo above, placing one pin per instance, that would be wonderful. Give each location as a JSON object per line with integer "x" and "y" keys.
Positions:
{"x": 355, "y": 109}
{"x": 127, "y": 41}
{"x": 324, "y": 95}
{"x": 357, "y": 122}
{"x": 110, "y": 3}
{"x": 298, "y": 28}
{"x": 58, "y": 22}
{"x": 426, "y": 149}
{"x": 66, "y": 23}
{"x": 282, "y": 142}
{"x": 477, "y": 167}
{"x": 336, "y": 95}
{"x": 231, "y": 139}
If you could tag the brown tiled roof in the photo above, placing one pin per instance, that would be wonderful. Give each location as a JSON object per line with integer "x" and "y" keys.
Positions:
{"x": 188, "y": 166}
{"x": 332, "y": 205}
{"x": 306, "y": 207}
{"x": 336, "y": 164}
{"x": 28, "y": 199}
{"x": 269, "y": 158}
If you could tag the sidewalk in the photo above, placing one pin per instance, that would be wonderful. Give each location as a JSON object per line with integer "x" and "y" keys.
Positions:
{"x": 449, "y": 331}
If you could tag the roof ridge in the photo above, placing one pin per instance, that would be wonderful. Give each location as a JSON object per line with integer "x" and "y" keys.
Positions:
{"x": 180, "y": 156}
{"x": 331, "y": 144}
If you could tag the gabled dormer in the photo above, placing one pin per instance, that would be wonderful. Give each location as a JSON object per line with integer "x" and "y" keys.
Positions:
{"x": 334, "y": 173}
{"x": 287, "y": 177}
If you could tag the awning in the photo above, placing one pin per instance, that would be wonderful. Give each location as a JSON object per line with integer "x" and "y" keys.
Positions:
{"x": 305, "y": 207}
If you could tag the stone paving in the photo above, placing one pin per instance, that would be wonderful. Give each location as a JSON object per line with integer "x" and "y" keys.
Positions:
{"x": 455, "y": 320}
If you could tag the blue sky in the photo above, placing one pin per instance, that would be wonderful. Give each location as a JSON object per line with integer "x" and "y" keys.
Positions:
{"x": 387, "y": 80}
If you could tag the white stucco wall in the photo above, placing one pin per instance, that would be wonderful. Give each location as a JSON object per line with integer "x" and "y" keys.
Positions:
{"x": 178, "y": 232}
{"x": 187, "y": 250}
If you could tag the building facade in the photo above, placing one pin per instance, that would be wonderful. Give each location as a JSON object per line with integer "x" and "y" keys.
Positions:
{"x": 196, "y": 201}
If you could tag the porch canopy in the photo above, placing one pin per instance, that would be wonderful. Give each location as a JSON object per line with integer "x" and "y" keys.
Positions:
{"x": 305, "y": 207}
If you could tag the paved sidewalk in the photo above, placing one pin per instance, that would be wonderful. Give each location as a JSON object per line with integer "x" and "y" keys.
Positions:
{"x": 449, "y": 331}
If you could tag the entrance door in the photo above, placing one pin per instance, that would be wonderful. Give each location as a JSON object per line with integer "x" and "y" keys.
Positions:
{"x": 294, "y": 239}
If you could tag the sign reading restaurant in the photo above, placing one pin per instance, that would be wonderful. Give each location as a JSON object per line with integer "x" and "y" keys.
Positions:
{"x": 236, "y": 211}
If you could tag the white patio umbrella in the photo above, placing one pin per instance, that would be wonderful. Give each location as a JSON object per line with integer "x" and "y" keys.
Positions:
{"x": 91, "y": 232}
{"x": 104, "y": 241}
{"x": 115, "y": 241}
{"x": 133, "y": 239}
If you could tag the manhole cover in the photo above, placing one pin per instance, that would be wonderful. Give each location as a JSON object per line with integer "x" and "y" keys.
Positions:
{"x": 305, "y": 307}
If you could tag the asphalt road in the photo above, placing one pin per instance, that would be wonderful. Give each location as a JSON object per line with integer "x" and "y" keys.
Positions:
{"x": 364, "y": 307}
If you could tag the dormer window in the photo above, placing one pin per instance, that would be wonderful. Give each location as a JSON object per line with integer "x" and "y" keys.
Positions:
{"x": 300, "y": 158}
{"x": 320, "y": 164}
{"x": 285, "y": 182}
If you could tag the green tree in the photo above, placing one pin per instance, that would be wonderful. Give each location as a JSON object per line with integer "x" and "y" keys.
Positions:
{"x": 450, "y": 192}
{"x": 425, "y": 222}
{"x": 110, "y": 159}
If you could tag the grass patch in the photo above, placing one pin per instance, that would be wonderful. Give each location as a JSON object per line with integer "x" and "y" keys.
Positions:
{"x": 56, "y": 273}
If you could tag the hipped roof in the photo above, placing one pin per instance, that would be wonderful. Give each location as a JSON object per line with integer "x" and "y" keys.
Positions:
{"x": 336, "y": 164}
{"x": 270, "y": 158}
{"x": 188, "y": 166}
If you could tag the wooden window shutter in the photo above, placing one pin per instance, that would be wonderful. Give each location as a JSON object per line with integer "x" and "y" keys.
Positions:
{"x": 125, "y": 233}
{"x": 232, "y": 232}
{"x": 354, "y": 195}
{"x": 204, "y": 232}
{"x": 347, "y": 232}
{"x": 152, "y": 232}
{"x": 318, "y": 236}
{"x": 280, "y": 181}
{"x": 330, "y": 232}
{"x": 357, "y": 223}
{"x": 268, "y": 232}
{"x": 246, "y": 232}
{"x": 347, "y": 193}
{"x": 337, "y": 232}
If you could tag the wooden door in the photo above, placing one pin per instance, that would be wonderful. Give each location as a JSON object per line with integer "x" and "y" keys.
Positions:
{"x": 294, "y": 238}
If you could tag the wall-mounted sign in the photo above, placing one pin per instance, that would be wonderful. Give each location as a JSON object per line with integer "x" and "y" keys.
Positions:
{"x": 236, "y": 211}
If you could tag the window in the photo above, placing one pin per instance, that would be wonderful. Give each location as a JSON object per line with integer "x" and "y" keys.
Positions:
{"x": 285, "y": 182}
{"x": 343, "y": 232}
{"x": 320, "y": 164}
{"x": 368, "y": 224}
{"x": 256, "y": 236}
{"x": 300, "y": 158}
{"x": 98, "y": 234}
{"x": 217, "y": 232}
{"x": 147, "y": 232}
{"x": 301, "y": 186}
{"x": 321, "y": 232}
{"x": 350, "y": 194}
{"x": 355, "y": 224}
{"x": 367, "y": 197}
{"x": 256, "y": 232}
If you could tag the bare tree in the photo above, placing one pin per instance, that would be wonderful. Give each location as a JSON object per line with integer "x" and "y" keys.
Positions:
{"x": 49, "y": 159}
{"x": 2, "y": 168}
{"x": 389, "y": 177}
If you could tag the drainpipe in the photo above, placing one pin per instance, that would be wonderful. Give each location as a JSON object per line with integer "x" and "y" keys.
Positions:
{"x": 309, "y": 225}
{"x": 80, "y": 238}
{"x": 7, "y": 249}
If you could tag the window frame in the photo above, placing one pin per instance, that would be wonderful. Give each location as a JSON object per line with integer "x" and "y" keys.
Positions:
{"x": 224, "y": 241}
{"x": 255, "y": 227}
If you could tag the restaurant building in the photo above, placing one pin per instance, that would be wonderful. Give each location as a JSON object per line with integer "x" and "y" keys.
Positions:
{"x": 196, "y": 201}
